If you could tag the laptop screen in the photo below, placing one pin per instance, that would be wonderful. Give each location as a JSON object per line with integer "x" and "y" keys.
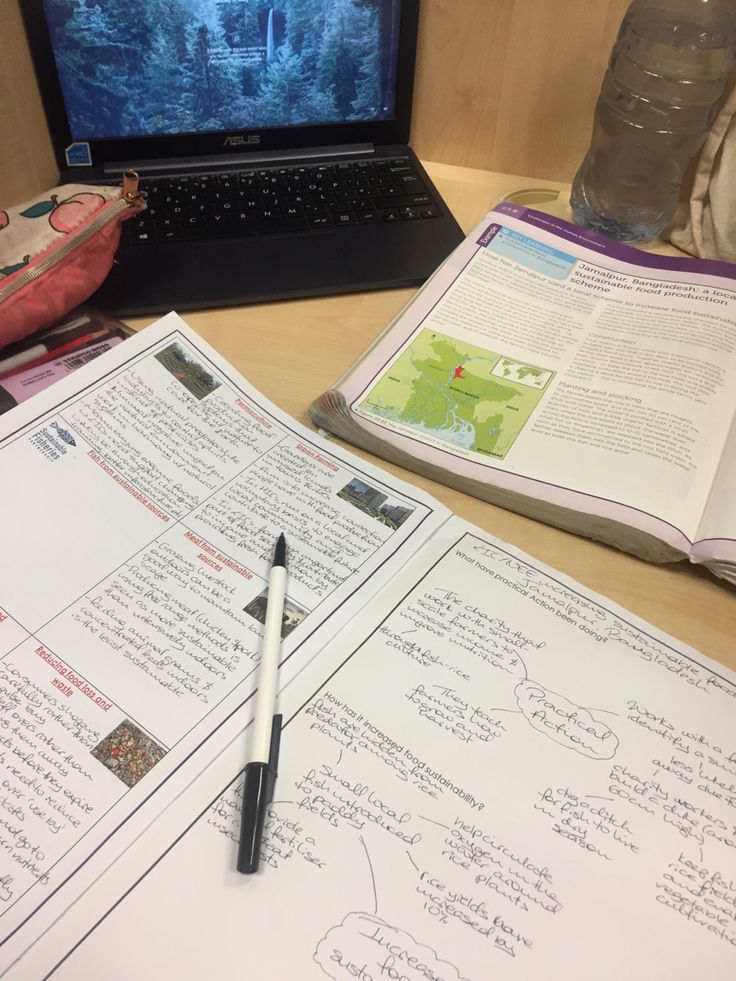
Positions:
{"x": 168, "y": 67}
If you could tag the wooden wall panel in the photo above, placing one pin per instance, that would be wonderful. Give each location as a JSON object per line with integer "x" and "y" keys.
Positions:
{"x": 457, "y": 103}
{"x": 510, "y": 85}
{"x": 504, "y": 85}
{"x": 27, "y": 163}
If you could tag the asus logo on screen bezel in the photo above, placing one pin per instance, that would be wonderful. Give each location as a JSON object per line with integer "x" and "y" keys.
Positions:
{"x": 242, "y": 139}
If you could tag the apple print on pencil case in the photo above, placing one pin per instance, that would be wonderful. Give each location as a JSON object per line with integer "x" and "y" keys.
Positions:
{"x": 15, "y": 266}
{"x": 28, "y": 231}
{"x": 7, "y": 270}
{"x": 65, "y": 215}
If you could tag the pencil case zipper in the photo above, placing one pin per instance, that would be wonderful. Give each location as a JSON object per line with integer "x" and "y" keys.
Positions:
{"x": 130, "y": 197}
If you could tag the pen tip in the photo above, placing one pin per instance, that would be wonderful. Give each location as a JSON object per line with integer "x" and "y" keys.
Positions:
{"x": 279, "y": 555}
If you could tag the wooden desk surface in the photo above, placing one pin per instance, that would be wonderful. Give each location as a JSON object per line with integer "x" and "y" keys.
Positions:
{"x": 293, "y": 351}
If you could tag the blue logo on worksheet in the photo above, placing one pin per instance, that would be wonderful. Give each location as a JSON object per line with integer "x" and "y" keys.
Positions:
{"x": 529, "y": 252}
{"x": 64, "y": 434}
{"x": 52, "y": 441}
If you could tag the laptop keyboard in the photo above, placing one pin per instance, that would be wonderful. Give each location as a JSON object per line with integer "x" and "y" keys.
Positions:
{"x": 287, "y": 199}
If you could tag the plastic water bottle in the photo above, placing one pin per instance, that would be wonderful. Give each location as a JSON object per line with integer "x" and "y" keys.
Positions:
{"x": 665, "y": 79}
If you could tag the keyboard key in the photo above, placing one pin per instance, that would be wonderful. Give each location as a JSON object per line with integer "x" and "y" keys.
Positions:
{"x": 412, "y": 184}
{"x": 217, "y": 220}
{"x": 142, "y": 237}
{"x": 389, "y": 204}
{"x": 276, "y": 226}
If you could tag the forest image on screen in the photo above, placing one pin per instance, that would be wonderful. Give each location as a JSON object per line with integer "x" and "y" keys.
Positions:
{"x": 186, "y": 66}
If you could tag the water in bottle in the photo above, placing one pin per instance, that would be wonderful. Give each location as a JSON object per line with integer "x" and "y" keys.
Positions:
{"x": 667, "y": 73}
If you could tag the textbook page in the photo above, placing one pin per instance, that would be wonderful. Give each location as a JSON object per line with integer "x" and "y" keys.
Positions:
{"x": 141, "y": 499}
{"x": 546, "y": 360}
{"x": 717, "y": 531}
{"x": 494, "y": 774}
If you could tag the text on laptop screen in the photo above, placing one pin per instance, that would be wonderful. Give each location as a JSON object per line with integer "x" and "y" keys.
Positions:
{"x": 164, "y": 67}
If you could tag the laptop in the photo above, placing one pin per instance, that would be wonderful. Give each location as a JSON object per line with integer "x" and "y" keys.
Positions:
{"x": 270, "y": 137}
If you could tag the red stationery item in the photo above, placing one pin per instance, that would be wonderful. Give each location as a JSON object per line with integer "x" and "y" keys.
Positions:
{"x": 72, "y": 345}
{"x": 57, "y": 249}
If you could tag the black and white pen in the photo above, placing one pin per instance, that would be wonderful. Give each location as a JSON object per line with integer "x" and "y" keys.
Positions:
{"x": 260, "y": 772}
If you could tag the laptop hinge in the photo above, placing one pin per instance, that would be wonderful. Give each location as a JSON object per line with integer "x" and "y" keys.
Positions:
{"x": 239, "y": 161}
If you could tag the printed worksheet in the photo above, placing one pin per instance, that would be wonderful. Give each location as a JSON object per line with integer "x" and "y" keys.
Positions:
{"x": 493, "y": 774}
{"x": 141, "y": 499}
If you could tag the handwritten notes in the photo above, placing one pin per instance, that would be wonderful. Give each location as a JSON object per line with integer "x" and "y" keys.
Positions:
{"x": 491, "y": 774}
{"x": 139, "y": 518}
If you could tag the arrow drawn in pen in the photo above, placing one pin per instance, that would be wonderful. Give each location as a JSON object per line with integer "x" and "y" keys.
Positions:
{"x": 602, "y": 711}
{"x": 373, "y": 878}
{"x": 438, "y": 823}
{"x": 416, "y": 867}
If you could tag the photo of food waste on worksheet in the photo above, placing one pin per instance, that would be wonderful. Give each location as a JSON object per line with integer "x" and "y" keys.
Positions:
{"x": 140, "y": 500}
{"x": 497, "y": 775}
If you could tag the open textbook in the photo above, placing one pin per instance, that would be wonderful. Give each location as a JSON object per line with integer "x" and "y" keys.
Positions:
{"x": 557, "y": 373}
{"x": 490, "y": 774}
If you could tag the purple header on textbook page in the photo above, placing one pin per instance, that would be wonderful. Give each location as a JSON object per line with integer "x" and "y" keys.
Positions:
{"x": 596, "y": 242}
{"x": 489, "y": 234}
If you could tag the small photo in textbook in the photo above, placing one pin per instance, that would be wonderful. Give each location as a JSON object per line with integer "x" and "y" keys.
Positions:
{"x": 192, "y": 375}
{"x": 293, "y": 614}
{"x": 128, "y": 752}
{"x": 375, "y": 503}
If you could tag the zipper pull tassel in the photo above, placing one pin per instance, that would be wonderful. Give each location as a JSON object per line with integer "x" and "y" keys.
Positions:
{"x": 130, "y": 193}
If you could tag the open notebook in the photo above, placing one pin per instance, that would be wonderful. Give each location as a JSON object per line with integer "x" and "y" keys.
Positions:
{"x": 270, "y": 135}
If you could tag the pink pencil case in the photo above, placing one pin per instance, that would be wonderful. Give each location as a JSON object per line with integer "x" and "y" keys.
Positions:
{"x": 56, "y": 249}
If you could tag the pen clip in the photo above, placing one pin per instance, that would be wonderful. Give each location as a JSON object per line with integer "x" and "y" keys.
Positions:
{"x": 273, "y": 755}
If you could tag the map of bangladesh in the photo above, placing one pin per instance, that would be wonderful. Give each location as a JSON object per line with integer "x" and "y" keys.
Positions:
{"x": 457, "y": 393}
